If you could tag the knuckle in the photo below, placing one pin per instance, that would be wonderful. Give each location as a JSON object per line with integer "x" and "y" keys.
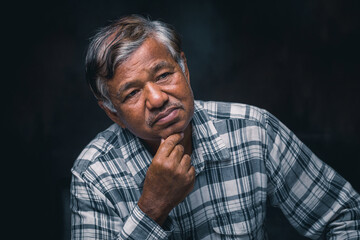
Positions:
{"x": 178, "y": 174}
{"x": 168, "y": 166}
{"x": 180, "y": 148}
{"x": 186, "y": 159}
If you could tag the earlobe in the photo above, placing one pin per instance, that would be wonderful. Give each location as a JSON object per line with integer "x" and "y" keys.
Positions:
{"x": 111, "y": 114}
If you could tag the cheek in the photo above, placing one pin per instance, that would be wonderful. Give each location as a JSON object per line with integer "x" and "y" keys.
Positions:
{"x": 182, "y": 89}
{"x": 187, "y": 94}
{"x": 132, "y": 116}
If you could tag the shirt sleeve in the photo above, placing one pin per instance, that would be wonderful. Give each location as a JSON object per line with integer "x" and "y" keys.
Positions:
{"x": 94, "y": 217}
{"x": 316, "y": 200}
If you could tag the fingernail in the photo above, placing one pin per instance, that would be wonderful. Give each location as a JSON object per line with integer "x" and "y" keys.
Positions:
{"x": 162, "y": 140}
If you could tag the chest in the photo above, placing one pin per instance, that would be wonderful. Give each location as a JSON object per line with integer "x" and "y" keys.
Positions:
{"x": 228, "y": 201}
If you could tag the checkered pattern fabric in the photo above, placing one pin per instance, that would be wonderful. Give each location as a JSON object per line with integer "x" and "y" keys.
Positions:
{"x": 243, "y": 158}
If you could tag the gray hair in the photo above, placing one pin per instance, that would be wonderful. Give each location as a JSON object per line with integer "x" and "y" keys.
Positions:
{"x": 113, "y": 44}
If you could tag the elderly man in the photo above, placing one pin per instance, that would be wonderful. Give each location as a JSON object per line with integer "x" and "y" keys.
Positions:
{"x": 174, "y": 168}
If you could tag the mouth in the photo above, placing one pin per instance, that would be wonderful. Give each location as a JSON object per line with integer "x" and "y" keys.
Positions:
{"x": 166, "y": 116}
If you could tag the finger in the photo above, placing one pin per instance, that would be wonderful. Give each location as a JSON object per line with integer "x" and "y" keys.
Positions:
{"x": 186, "y": 162}
{"x": 192, "y": 171}
{"x": 167, "y": 146}
{"x": 177, "y": 153}
{"x": 191, "y": 175}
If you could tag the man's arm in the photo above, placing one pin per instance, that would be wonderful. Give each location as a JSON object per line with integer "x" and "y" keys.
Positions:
{"x": 169, "y": 179}
{"x": 316, "y": 200}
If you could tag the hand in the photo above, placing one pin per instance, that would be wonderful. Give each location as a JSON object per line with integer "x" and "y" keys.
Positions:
{"x": 169, "y": 179}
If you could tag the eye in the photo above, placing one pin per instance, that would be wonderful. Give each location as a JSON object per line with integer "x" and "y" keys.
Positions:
{"x": 131, "y": 94}
{"x": 164, "y": 75}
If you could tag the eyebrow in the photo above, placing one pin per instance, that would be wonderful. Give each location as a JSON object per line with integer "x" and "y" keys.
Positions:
{"x": 161, "y": 65}
{"x": 126, "y": 86}
{"x": 153, "y": 70}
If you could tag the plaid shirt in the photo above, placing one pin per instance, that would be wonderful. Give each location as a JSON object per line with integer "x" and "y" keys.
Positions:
{"x": 243, "y": 157}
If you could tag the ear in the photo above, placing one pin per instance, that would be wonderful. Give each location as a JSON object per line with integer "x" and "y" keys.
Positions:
{"x": 187, "y": 74}
{"x": 112, "y": 115}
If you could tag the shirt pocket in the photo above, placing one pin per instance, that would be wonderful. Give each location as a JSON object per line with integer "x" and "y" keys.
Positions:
{"x": 240, "y": 224}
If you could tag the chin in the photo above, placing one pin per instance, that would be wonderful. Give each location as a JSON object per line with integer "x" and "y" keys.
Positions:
{"x": 169, "y": 132}
{"x": 176, "y": 128}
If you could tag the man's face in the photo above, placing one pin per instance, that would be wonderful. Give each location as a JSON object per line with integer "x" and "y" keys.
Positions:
{"x": 151, "y": 94}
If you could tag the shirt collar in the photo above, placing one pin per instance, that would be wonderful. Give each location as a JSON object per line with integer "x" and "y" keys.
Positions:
{"x": 207, "y": 146}
{"x": 207, "y": 142}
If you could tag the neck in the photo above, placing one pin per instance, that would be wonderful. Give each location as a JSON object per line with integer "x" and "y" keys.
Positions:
{"x": 187, "y": 140}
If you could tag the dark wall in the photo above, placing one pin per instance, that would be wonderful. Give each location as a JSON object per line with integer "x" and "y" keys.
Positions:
{"x": 297, "y": 59}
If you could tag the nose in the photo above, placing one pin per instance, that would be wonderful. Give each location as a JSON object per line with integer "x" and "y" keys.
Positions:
{"x": 155, "y": 97}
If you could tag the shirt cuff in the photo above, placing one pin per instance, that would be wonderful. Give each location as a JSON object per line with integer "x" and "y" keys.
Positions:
{"x": 140, "y": 226}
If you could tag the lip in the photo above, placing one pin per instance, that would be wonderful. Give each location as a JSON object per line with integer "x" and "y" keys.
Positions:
{"x": 166, "y": 116}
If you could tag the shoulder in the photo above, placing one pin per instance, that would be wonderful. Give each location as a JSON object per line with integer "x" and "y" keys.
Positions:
{"x": 100, "y": 146}
{"x": 218, "y": 111}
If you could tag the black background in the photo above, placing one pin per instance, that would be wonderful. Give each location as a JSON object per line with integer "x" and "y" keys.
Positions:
{"x": 297, "y": 59}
